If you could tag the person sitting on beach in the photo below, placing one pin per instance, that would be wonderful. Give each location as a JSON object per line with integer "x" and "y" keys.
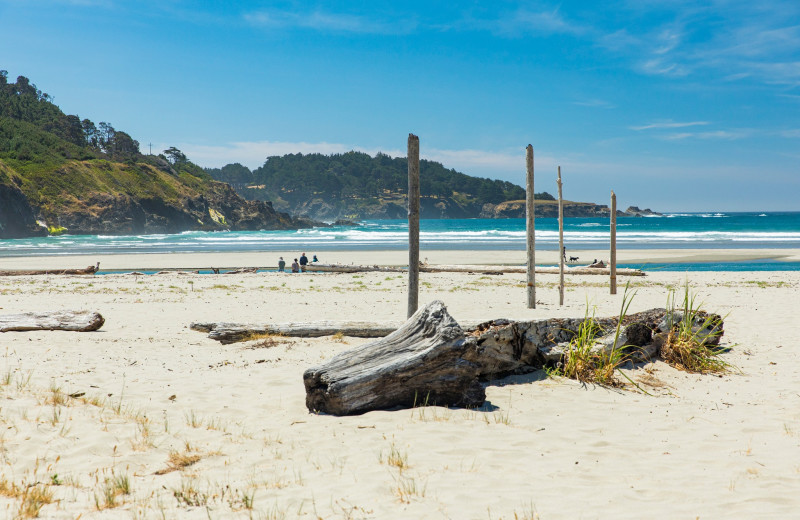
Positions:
{"x": 303, "y": 262}
{"x": 295, "y": 266}
{"x": 281, "y": 264}
{"x": 314, "y": 259}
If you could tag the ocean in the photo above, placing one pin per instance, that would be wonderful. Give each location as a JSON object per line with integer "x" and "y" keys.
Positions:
{"x": 671, "y": 231}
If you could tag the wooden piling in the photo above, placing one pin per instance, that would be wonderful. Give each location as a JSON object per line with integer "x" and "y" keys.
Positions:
{"x": 413, "y": 224}
{"x": 530, "y": 213}
{"x": 560, "y": 241}
{"x": 612, "y": 264}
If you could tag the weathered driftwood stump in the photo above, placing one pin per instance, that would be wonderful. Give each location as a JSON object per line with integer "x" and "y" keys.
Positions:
{"x": 431, "y": 359}
{"x": 424, "y": 361}
{"x": 79, "y": 321}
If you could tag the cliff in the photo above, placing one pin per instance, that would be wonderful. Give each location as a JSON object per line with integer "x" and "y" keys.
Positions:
{"x": 110, "y": 198}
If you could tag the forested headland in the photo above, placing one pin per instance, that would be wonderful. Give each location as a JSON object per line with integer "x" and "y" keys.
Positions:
{"x": 63, "y": 174}
{"x": 355, "y": 185}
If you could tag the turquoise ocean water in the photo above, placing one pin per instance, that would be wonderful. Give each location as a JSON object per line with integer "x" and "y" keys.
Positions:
{"x": 672, "y": 231}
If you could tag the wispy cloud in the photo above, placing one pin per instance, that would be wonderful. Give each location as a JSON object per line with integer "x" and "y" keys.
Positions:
{"x": 541, "y": 22}
{"x": 523, "y": 22}
{"x": 668, "y": 124}
{"x": 724, "y": 135}
{"x": 324, "y": 21}
{"x": 594, "y": 103}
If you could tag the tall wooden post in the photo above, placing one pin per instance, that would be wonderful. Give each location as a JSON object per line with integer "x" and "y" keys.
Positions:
{"x": 413, "y": 224}
{"x": 613, "y": 262}
{"x": 560, "y": 242}
{"x": 530, "y": 213}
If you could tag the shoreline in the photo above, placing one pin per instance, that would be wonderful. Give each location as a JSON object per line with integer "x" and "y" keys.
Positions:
{"x": 268, "y": 259}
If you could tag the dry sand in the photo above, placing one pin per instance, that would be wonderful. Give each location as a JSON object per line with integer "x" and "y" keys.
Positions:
{"x": 157, "y": 395}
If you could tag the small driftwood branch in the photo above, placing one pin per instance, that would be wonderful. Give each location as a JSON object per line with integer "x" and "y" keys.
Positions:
{"x": 16, "y": 272}
{"x": 79, "y": 321}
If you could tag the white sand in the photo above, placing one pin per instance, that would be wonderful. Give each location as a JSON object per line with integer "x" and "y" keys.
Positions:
{"x": 700, "y": 446}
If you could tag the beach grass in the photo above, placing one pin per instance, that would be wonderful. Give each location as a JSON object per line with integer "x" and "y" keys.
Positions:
{"x": 692, "y": 342}
{"x": 588, "y": 361}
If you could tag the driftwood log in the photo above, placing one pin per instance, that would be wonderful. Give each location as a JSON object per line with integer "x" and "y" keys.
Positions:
{"x": 494, "y": 269}
{"x": 510, "y": 269}
{"x": 430, "y": 359}
{"x": 227, "y": 333}
{"x": 344, "y": 268}
{"x": 89, "y": 270}
{"x": 422, "y": 361}
{"x": 79, "y": 321}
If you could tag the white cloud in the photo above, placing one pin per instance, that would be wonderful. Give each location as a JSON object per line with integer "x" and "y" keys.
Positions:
{"x": 328, "y": 22}
{"x": 668, "y": 124}
{"x": 724, "y": 135}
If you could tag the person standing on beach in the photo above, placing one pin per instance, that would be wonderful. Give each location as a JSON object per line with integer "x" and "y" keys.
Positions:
{"x": 303, "y": 262}
{"x": 281, "y": 264}
{"x": 295, "y": 266}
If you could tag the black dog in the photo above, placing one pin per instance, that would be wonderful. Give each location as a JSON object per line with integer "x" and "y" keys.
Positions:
{"x": 573, "y": 259}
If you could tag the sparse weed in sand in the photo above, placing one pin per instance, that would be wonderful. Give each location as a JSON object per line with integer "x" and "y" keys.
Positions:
{"x": 689, "y": 346}
{"x": 110, "y": 491}
{"x": 32, "y": 499}
{"x": 265, "y": 341}
{"x": 179, "y": 460}
{"x": 406, "y": 488}
{"x": 395, "y": 458}
{"x": 56, "y": 397}
{"x": 193, "y": 420}
{"x": 528, "y": 513}
{"x": 142, "y": 441}
{"x": 189, "y": 494}
{"x": 23, "y": 380}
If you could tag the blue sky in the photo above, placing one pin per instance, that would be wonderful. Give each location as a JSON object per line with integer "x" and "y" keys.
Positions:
{"x": 676, "y": 105}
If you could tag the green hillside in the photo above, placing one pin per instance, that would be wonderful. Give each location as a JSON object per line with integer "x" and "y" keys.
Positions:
{"x": 65, "y": 174}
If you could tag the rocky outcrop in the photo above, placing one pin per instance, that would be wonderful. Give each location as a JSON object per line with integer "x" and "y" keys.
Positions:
{"x": 218, "y": 209}
{"x": 17, "y": 218}
{"x": 549, "y": 209}
{"x": 634, "y": 211}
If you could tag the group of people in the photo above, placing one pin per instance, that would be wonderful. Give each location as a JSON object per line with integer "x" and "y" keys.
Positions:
{"x": 297, "y": 267}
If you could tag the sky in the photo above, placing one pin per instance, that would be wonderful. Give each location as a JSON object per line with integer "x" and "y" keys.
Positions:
{"x": 675, "y": 105}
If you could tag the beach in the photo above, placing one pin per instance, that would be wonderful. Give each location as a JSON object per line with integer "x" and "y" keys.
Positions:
{"x": 191, "y": 428}
{"x": 269, "y": 259}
